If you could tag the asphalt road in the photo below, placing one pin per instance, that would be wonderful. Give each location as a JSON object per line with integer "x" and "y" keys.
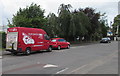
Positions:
{"x": 99, "y": 58}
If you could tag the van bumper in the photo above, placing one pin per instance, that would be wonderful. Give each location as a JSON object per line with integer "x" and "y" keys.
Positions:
{"x": 19, "y": 50}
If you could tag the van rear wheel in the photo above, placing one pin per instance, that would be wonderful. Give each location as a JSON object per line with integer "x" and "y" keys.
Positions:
{"x": 14, "y": 53}
{"x": 28, "y": 51}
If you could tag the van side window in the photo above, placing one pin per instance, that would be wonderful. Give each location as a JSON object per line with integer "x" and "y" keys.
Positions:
{"x": 46, "y": 37}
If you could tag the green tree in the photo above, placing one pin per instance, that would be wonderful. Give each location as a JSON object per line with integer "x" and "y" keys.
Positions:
{"x": 103, "y": 25}
{"x": 116, "y": 25}
{"x": 52, "y": 25}
{"x": 94, "y": 21}
{"x": 31, "y": 16}
{"x": 79, "y": 24}
{"x": 2, "y": 40}
{"x": 64, "y": 16}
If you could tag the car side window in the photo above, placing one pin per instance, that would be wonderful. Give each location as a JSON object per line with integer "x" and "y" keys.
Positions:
{"x": 62, "y": 40}
{"x": 46, "y": 37}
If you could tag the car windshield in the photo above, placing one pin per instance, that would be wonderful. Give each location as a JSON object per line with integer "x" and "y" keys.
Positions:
{"x": 54, "y": 40}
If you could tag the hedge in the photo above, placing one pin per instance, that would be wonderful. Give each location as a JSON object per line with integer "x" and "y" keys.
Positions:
{"x": 2, "y": 39}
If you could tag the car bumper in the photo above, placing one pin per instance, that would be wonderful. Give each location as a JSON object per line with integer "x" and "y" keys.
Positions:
{"x": 19, "y": 50}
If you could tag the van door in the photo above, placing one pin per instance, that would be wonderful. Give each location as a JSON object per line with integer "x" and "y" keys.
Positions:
{"x": 46, "y": 41}
{"x": 12, "y": 40}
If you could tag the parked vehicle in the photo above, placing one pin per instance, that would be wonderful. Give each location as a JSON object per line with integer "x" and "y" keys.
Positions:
{"x": 105, "y": 40}
{"x": 60, "y": 43}
{"x": 25, "y": 40}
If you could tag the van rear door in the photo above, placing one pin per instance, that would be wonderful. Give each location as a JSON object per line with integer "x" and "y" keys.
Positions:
{"x": 12, "y": 40}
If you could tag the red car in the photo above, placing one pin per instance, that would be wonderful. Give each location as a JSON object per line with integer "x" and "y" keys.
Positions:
{"x": 60, "y": 43}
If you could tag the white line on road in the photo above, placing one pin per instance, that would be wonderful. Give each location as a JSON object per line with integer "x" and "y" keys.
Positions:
{"x": 78, "y": 68}
{"x": 61, "y": 71}
{"x": 49, "y": 65}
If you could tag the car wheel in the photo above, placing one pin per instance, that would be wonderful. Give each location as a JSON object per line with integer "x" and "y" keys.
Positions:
{"x": 59, "y": 48}
{"x": 50, "y": 49}
{"x": 28, "y": 51}
{"x": 68, "y": 47}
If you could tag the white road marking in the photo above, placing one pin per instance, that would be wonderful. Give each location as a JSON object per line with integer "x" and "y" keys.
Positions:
{"x": 49, "y": 65}
{"x": 78, "y": 68}
{"x": 61, "y": 71}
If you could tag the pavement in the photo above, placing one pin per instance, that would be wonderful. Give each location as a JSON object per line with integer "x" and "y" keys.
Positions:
{"x": 98, "y": 58}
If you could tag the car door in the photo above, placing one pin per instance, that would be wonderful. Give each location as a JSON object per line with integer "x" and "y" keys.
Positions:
{"x": 65, "y": 43}
{"x": 62, "y": 43}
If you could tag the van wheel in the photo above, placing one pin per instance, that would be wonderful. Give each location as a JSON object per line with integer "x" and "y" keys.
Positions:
{"x": 28, "y": 51}
{"x": 59, "y": 48}
{"x": 14, "y": 53}
{"x": 50, "y": 49}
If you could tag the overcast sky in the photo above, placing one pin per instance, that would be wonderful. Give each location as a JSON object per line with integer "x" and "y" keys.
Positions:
{"x": 10, "y": 7}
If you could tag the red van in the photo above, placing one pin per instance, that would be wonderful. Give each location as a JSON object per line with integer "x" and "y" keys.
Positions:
{"x": 25, "y": 40}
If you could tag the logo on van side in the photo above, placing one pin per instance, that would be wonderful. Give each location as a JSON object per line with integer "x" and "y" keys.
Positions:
{"x": 27, "y": 39}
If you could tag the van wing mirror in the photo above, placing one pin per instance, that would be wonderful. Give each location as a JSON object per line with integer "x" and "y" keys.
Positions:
{"x": 46, "y": 37}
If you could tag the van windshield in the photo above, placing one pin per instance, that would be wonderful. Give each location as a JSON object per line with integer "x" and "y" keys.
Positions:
{"x": 46, "y": 37}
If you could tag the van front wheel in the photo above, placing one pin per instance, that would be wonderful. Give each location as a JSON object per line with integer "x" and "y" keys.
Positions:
{"x": 14, "y": 53}
{"x": 28, "y": 51}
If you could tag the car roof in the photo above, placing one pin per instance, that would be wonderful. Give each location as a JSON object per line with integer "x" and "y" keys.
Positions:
{"x": 56, "y": 38}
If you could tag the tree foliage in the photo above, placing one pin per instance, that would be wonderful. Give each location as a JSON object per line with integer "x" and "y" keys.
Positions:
{"x": 32, "y": 16}
{"x": 64, "y": 16}
{"x": 3, "y": 40}
{"x": 116, "y": 25}
{"x": 52, "y": 25}
{"x": 68, "y": 24}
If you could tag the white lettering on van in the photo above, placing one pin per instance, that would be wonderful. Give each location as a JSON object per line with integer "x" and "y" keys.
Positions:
{"x": 27, "y": 39}
{"x": 40, "y": 36}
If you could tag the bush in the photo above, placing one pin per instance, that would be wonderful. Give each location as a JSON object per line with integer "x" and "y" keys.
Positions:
{"x": 3, "y": 39}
